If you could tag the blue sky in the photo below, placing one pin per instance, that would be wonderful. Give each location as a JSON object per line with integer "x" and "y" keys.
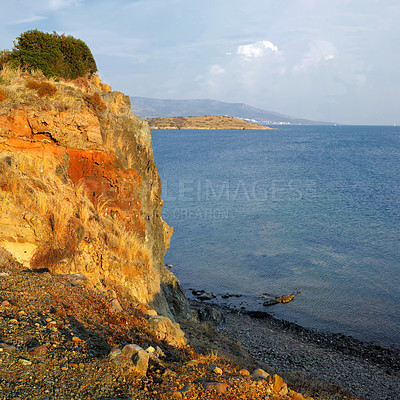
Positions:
{"x": 334, "y": 60}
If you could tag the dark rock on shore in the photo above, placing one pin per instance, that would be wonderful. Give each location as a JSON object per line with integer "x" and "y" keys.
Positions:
{"x": 209, "y": 313}
{"x": 203, "y": 295}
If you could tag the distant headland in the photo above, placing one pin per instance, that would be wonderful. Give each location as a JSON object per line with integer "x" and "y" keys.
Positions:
{"x": 204, "y": 122}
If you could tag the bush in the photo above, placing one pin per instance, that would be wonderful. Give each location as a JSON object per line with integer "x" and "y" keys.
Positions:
{"x": 2, "y": 95}
{"x": 5, "y": 57}
{"x": 96, "y": 102}
{"x": 43, "y": 88}
{"x": 55, "y": 55}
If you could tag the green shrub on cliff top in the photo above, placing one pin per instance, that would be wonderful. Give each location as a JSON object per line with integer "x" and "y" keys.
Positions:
{"x": 55, "y": 55}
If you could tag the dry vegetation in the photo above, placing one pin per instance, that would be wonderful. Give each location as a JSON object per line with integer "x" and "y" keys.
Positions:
{"x": 63, "y": 215}
{"x": 96, "y": 102}
{"x": 2, "y": 95}
{"x": 17, "y": 86}
{"x": 42, "y": 88}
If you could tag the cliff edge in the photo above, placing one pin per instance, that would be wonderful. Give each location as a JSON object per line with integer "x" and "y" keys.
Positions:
{"x": 79, "y": 188}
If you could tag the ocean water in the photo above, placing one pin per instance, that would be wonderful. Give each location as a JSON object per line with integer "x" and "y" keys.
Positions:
{"x": 311, "y": 210}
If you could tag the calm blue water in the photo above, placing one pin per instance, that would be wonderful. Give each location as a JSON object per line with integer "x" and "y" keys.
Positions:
{"x": 306, "y": 209}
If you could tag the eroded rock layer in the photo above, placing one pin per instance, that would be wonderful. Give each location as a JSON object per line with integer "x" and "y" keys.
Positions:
{"x": 79, "y": 188}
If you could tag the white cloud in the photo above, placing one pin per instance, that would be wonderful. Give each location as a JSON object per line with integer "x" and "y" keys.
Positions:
{"x": 28, "y": 20}
{"x": 319, "y": 51}
{"x": 216, "y": 69}
{"x": 257, "y": 49}
{"x": 56, "y": 5}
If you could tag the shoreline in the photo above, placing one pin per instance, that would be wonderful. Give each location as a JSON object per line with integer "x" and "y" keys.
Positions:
{"x": 308, "y": 358}
{"x": 253, "y": 305}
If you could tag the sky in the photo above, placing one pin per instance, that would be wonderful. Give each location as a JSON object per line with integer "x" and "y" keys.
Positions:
{"x": 326, "y": 60}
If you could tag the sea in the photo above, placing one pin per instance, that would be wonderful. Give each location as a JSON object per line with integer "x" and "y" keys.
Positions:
{"x": 307, "y": 210}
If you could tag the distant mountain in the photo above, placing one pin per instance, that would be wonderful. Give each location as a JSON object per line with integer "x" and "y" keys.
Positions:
{"x": 146, "y": 107}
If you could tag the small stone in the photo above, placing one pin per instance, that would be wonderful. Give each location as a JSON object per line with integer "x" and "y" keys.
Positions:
{"x": 298, "y": 396}
{"x": 5, "y": 303}
{"x": 277, "y": 382}
{"x": 64, "y": 368}
{"x": 48, "y": 320}
{"x": 260, "y": 374}
{"x": 151, "y": 312}
{"x": 169, "y": 373}
{"x": 81, "y": 365}
{"x": 284, "y": 390}
{"x": 219, "y": 387}
{"x": 60, "y": 312}
{"x": 24, "y": 362}
{"x": 111, "y": 293}
{"x": 38, "y": 350}
{"x": 13, "y": 321}
{"x": 4, "y": 274}
{"x": 270, "y": 302}
{"x": 174, "y": 395}
{"x": 8, "y": 348}
{"x": 244, "y": 372}
{"x": 115, "y": 306}
{"x": 159, "y": 352}
{"x": 76, "y": 339}
{"x": 215, "y": 369}
{"x": 21, "y": 312}
{"x": 28, "y": 217}
{"x": 193, "y": 363}
{"x": 151, "y": 349}
{"x": 185, "y": 389}
{"x": 285, "y": 299}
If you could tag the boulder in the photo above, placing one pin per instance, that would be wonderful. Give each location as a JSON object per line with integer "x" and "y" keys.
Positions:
{"x": 132, "y": 359}
{"x": 209, "y": 313}
{"x": 140, "y": 362}
{"x": 277, "y": 382}
{"x": 260, "y": 374}
{"x": 164, "y": 329}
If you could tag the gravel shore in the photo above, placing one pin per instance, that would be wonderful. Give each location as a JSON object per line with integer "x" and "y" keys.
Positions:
{"x": 302, "y": 355}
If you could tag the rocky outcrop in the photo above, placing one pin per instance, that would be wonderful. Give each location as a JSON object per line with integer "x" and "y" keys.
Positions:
{"x": 80, "y": 191}
{"x": 167, "y": 331}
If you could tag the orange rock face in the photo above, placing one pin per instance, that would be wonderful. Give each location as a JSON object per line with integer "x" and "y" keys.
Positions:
{"x": 15, "y": 125}
{"x": 103, "y": 176}
{"x": 107, "y": 151}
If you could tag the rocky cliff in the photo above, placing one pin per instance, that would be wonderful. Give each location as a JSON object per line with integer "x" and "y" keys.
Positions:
{"x": 79, "y": 188}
